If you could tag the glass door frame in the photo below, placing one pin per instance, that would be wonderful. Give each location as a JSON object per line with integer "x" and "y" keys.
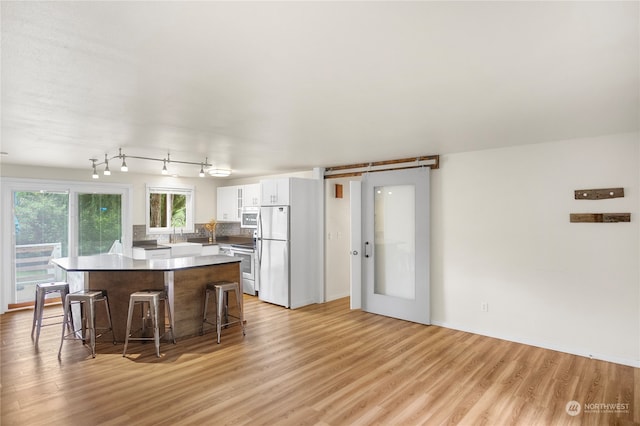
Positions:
{"x": 362, "y": 259}
{"x": 11, "y": 185}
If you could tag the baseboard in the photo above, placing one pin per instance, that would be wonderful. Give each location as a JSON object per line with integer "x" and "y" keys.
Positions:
{"x": 336, "y": 296}
{"x": 544, "y": 345}
{"x": 300, "y": 304}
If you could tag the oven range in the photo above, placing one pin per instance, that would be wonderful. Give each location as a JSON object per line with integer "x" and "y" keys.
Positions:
{"x": 248, "y": 264}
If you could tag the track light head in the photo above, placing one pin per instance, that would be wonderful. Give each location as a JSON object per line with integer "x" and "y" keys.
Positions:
{"x": 95, "y": 172}
{"x": 107, "y": 172}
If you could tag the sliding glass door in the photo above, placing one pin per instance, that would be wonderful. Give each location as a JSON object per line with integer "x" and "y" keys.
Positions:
{"x": 45, "y": 221}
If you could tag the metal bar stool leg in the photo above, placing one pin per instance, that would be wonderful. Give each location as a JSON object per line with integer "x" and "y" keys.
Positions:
{"x": 65, "y": 319}
{"x": 167, "y": 307}
{"x": 239, "y": 305}
{"x": 154, "y": 322}
{"x": 219, "y": 309}
{"x": 37, "y": 317}
{"x": 128, "y": 330}
{"x": 91, "y": 326}
{"x": 108, "y": 309}
{"x": 210, "y": 290}
{"x": 204, "y": 310}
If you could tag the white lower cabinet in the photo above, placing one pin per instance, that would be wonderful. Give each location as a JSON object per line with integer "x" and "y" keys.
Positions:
{"x": 210, "y": 250}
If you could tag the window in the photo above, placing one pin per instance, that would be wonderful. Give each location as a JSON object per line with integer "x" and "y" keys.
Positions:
{"x": 169, "y": 209}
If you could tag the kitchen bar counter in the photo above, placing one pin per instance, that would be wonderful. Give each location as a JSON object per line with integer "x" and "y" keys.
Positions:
{"x": 117, "y": 262}
{"x": 184, "y": 279}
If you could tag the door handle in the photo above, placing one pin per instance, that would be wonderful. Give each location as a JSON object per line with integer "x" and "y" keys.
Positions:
{"x": 366, "y": 246}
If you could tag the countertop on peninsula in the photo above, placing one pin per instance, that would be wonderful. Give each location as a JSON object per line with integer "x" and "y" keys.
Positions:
{"x": 118, "y": 262}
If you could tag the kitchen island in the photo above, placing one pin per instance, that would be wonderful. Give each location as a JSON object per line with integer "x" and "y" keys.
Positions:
{"x": 183, "y": 278}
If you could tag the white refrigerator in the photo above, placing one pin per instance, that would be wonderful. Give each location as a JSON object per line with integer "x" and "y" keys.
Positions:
{"x": 273, "y": 255}
{"x": 289, "y": 245}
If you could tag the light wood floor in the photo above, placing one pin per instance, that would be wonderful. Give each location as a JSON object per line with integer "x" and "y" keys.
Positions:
{"x": 322, "y": 364}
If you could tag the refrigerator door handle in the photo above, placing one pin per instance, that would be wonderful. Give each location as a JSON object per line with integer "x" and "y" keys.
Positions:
{"x": 259, "y": 241}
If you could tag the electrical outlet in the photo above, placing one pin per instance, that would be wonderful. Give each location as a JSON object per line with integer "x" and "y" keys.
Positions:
{"x": 484, "y": 307}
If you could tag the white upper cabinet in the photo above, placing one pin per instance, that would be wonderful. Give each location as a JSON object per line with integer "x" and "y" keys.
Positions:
{"x": 275, "y": 192}
{"x": 229, "y": 203}
{"x": 251, "y": 195}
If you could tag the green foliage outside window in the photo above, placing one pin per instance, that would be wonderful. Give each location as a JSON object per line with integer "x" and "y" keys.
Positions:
{"x": 159, "y": 215}
{"x": 100, "y": 222}
{"x": 42, "y": 217}
{"x": 178, "y": 210}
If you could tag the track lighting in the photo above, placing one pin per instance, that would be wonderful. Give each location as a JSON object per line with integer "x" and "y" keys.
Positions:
{"x": 165, "y": 161}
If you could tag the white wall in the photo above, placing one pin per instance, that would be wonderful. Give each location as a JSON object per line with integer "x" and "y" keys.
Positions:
{"x": 337, "y": 239}
{"x": 501, "y": 235}
{"x": 205, "y": 188}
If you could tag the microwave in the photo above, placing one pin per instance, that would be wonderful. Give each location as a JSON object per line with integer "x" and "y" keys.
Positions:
{"x": 249, "y": 217}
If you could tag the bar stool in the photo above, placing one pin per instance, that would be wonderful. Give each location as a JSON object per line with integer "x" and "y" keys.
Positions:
{"x": 42, "y": 290}
{"x": 87, "y": 300}
{"x": 220, "y": 292}
{"x": 149, "y": 299}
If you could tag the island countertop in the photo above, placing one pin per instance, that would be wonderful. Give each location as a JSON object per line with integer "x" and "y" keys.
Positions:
{"x": 118, "y": 262}
{"x": 184, "y": 279}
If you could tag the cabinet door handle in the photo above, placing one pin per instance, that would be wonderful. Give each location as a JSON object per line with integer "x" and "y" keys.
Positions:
{"x": 366, "y": 246}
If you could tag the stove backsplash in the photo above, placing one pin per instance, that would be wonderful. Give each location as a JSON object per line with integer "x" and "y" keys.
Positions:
{"x": 222, "y": 229}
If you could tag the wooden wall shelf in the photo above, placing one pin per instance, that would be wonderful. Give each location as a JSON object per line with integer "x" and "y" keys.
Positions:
{"x": 599, "y": 194}
{"x": 600, "y": 217}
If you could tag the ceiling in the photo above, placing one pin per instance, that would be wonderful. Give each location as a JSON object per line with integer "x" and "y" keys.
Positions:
{"x": 273, "y": 87}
